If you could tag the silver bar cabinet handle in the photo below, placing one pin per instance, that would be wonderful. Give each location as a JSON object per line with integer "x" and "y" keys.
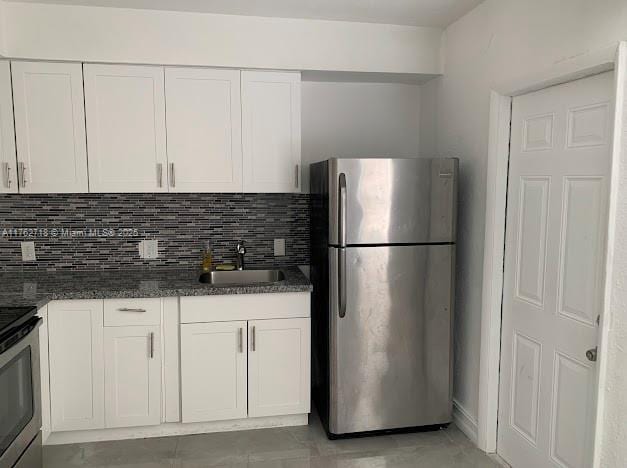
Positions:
{"x": 297, "y": 174}
{"x": 152, "y": 345}
{"x": 341, "y": 251}
{"x": 7, "y": 174}
{"x": 126, "y": 309}
{"x": 172, "y": 176}
{"x": 22, "y": 173}
{"x": 252, "y": 339}
{"x": 159, "y": 175}
{"x": 240, "y": 340}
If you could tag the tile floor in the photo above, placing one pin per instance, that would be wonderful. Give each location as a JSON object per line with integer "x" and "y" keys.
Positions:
{"x": 295, "y": 447}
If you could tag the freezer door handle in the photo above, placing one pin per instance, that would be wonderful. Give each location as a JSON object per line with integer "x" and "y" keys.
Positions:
{"x": 341, "y": 211}
{"x": 341, "y": 280}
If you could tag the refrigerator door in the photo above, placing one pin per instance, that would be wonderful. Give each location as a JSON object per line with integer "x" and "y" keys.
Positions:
{"x": 390, "y": 355}
{"x": 393, "y": 201}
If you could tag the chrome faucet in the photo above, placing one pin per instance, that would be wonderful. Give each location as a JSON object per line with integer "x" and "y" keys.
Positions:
{"x": 241, "y": 251}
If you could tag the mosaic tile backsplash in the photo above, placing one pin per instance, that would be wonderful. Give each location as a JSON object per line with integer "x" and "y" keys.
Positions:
{"x": 102, "y": 231}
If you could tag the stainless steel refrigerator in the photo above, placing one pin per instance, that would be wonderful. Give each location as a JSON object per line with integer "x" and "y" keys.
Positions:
{"x": 383, "y": 262}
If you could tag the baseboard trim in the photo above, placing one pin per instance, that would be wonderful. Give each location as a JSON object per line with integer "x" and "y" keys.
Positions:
{"x": 174, "y": 429}
{"x": 464, "y": 421}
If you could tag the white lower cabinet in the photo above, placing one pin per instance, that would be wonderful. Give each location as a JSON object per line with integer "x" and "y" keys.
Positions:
{"x": 103, "y": 376}
{"x": 75, "y": 336}
{"x": 132, "y": 358}
{"x": 127, "y": 364}
{"x": 279, "y": 367}
{"x": 248, "y": 368}
{"x": 213, "y": 371}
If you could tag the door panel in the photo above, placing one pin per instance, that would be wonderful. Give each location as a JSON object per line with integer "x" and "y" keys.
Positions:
{"x": 76, "y": 365}
{"x": 395, "y": 200}
{"x": 573, "y": 384}
{"x": 526, "y": 384}
{"x": 132, "y": 376}
{"x": 534, "y": 197}
{"x": 125, "y": 108}
{"x": 396, "y": 336}
{"x": 50, "y": 126}
{"x": 279, "y": 367}
{"x": 204, "y": 129}
{"x": 580, "y": 285}
{"x": 213, "y": 387}
{"x": 553, "y": 281}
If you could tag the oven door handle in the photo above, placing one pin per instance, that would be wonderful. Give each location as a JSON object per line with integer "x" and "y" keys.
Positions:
{"x": 13, "y": 339}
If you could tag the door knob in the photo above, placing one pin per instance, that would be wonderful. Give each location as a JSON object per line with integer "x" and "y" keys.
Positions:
{"x": 591, "y": 354}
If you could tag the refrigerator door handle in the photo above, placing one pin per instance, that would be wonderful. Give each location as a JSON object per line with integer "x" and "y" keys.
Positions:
{"x": 341, "y": 212}
{"x": 341, "y": 280}
{"x": 341, "y": 252}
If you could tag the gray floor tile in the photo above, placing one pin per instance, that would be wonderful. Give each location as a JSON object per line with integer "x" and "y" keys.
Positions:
{"x": 294, "y": 447}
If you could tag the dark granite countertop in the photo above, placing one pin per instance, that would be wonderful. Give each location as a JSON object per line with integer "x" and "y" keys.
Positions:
{"x": 19, "y": 289}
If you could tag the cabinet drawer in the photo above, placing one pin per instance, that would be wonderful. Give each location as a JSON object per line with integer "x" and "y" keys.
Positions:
{"x": 123, "y": 312}
{"x": 221, "y": 308}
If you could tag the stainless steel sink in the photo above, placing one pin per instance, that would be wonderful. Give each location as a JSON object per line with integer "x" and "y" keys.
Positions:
{"x": 242, "y": 277}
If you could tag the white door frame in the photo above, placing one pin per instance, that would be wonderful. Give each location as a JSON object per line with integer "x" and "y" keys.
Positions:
{"x": 494, "y": 244}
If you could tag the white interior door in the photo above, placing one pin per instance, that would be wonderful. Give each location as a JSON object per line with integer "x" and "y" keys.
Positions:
{"x": 50, "y": 126}
{"x": 271, "y": 131}
{"x": 204, "y": 129}
{"x": 132, "y": 357}
{"x": 213, "y": 371}
{"x": 125, "y": 109}
{"x": 278, "y": 367}
{"x": 554, "y": 256}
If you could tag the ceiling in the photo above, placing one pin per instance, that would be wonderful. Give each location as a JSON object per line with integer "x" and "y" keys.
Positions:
{"x": 436, "y": 13}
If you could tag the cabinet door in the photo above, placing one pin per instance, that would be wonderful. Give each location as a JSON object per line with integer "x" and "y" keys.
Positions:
{"x": 213, "y": 371}
{"x": 278, "y": 367}
{"x": 271, "y": 131}
{"x": 50, "y": 127}
{"x": 75, "y": 342}
{"x": 125, "y": 108}
{"x": 8, "y": 162}
{"x": 132, "y": 358}
{"x": 203, "y": 113}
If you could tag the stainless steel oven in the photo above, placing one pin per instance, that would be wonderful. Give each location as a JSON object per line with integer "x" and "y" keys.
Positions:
{"x": 20, "y": 396}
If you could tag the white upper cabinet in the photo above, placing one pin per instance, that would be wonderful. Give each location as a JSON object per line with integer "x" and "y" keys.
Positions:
{"x": 271, "y": 131}
{"x": 50, "y": 127}
{"x": 203, "y": 113}
{"x": 8, "y": 163}
{"x": 126, "y": 138}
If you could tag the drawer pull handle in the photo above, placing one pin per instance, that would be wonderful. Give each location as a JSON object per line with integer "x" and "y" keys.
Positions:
{"x": 126, "y": 309}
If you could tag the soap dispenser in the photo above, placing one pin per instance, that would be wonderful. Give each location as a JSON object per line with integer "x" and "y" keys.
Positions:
{"x": 207, "y": 257}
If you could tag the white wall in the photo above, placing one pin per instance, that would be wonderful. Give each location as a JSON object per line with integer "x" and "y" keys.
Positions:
{"x": 498, "y": 42}
{"x": 613, "y": 400}
{"x": 358, "y": 120}
{"x": 3, "y": 51}
{"x": 64, "y": 32}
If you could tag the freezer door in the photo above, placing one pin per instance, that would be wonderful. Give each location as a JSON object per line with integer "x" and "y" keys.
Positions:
{"x": 390, "y": 356}
{"x": 390, "y": 201}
